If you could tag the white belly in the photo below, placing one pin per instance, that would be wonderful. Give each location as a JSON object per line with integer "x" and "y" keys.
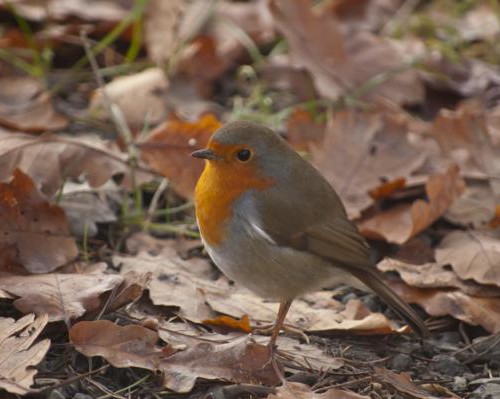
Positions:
{"x": 271, "y": 271}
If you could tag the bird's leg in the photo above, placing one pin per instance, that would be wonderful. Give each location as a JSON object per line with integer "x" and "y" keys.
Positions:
{"x": 283, "y": 310}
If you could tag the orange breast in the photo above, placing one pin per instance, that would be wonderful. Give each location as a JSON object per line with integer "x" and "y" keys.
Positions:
{"x": 219, "y": 186}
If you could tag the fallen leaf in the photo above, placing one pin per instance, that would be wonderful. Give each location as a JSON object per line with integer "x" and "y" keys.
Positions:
{"x": 135, "y": 346}
{"x": 479, "y": 23}
{"x": 91, "y": 10}
{"x": 49, "y": 160}
{"x": 34, "y": 233}
{"x": 130, "y": 290}
{"x": 377, "y": 147}
{"x": 139, "y": 98}
{"x": 175, "y": 282}
{"x": 435, "y": 275}
{"x": 226, "y": 322}
{"x": 466, "y": 131}
{"x": 296, "y": 390}
{"x": 167, "y": 150}
{"x": 86, "y": 207}
{"x": 122, "y": 346}
{"x": 61, "y": 296}
{"x": 239, "y": 361}
{"x": 18, "y": 354}
{"x": 26, "y": 106}
{"x": 475, "y": 207}
{"x": 402, "y": 383}
{"x": 472, "y": 255}
{"x": 400, "y": 223}
{"x": 473, "y": 310}
{"x": 161, "y": 24}
{"x": 347, "y": 61}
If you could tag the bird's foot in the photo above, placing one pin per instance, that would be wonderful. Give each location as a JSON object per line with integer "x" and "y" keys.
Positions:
{"x": 294, "y": 332}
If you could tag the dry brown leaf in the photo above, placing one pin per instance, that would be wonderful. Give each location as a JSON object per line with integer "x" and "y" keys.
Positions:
{"x": 403, "y": 222}
{"x": 402, "y": 383}
{"x": 33, "y": 233}
{"x": 190, "y": 286}
{"x": 435, "y": 275}
{"x": 167, "y": 150}
{"x": 475, "y": 207}
{"x": 49, "y": 160}
{"x": 441, "y": 302}
{"x": 140, "y": 97}
{"x": 133, "y": 345}
{"x": 346, "y": 61}
{"x": 377, "y": 147}
{"x": 472, "y": 255}
{"x": 296, "y": 390}
{"x": 130, "y": 290}
{"x": 239, "y": 361}
{"x": 122, "y": 346}
{"x": 464, "y": 136}
{"x": 24, "y": 105}
{"x": 18, "y": 354}
{"x": 61, "y": 296}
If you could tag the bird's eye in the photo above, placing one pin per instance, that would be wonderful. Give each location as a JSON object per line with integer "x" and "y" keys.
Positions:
{"x": 244, "y": 155}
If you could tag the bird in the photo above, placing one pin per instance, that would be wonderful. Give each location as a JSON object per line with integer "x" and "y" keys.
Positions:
{"x": 273, "y": 224}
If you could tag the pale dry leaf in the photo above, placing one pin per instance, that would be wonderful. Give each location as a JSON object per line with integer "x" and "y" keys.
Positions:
{"x": 91, "y": 10}
{"x": 437, "y": 274}
{"x": 296, "y": 390}
{"x": 49, "y": 160}
{"x": 26, "y": 106}
{"x": 61, "y": 296}
{"x": 377, "y": 147}
{"x": 161, "y": 24}
{"x": 479, "y": 23}
{"x": 483, "y": 311}
{"x": 175, "y": 282}
{"x": 33, "y": 233}
{"x": 18, "y": 352}
{"x": 345, "y": 62}
{"x": 464, "y": 136}
{"x": 400, "y": 223}
{"x": 140, "y": 97}
{"x": 475, "y": 207}
{"x": 472, "y": 255}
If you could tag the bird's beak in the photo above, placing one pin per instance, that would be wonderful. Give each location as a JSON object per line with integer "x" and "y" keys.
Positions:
{"x": 205, "y": 154}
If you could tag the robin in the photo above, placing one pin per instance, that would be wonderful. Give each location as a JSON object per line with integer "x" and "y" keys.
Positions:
{"x": 273, "y": 224}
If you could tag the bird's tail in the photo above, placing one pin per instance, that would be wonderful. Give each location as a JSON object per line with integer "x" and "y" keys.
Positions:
{"x": 373, "y": 281}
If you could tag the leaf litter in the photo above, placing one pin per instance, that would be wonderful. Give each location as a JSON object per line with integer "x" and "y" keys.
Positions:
{"x": 400, "y": 114}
